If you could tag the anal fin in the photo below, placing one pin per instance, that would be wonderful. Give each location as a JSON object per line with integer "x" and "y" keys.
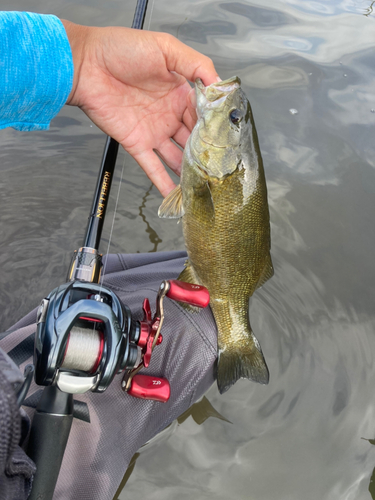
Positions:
{"x": 266, "y": 274}
{"x": 188, "y": 275}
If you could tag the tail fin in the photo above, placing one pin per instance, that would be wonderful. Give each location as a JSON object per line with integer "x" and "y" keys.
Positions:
{"x": 241, "y": 361}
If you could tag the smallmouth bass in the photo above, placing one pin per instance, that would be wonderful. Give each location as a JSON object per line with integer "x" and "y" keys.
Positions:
{"x": 222, "y": 199}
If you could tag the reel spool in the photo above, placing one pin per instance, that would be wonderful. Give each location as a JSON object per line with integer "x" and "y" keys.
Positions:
{"x": 84, "y": 347}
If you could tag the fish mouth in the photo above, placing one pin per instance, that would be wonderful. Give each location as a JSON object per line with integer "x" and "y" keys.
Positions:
{"x": 219, "y": 89}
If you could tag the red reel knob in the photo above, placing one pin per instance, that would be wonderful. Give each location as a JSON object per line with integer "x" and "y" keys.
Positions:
{"x": 147, "y": 387}
{"x": 195, "y": 295}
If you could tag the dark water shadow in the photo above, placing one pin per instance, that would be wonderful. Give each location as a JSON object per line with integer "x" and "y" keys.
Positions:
{"x": 368, "y": 13}
{"x": 152, "y": 234}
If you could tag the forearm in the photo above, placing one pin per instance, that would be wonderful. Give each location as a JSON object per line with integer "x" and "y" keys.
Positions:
{"x": 36, "y": 72}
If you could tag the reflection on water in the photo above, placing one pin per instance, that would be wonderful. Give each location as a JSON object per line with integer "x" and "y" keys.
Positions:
{"x": 200, "y": 412}
{"x": 154, "y": 238}
{"x": 369, "y": 10}
{"x": 371, "y": 487}
{"x": 128, "y": 473}
{"x": 300, "y": 437}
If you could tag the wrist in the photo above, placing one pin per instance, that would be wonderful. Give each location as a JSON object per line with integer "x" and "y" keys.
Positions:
{"x": 77, "y": 36}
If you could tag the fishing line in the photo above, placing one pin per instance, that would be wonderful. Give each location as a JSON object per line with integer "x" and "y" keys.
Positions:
{"x": 138, "y": 22}
{"x": 152, "y": 10}
{"x": 113, "y": 223}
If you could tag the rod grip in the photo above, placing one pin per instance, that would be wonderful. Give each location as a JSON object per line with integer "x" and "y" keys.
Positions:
{"x": 48, "y": 437}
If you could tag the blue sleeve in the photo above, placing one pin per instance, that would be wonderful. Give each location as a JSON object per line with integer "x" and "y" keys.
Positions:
{"x": 36, "y": 69}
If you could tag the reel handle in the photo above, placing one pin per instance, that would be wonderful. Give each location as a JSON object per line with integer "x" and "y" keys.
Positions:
{"x": 148, "y": 387}
{"x": 195, "y": 295}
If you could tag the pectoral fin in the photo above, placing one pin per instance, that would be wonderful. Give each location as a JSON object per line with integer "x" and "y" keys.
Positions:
{"x": 172, "y": 207}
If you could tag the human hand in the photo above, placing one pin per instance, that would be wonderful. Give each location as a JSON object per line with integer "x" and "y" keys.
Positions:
{"x": 133, "y": 85}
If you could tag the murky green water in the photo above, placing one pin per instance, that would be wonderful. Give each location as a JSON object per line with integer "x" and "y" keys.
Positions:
{"x": 308, "y": 68}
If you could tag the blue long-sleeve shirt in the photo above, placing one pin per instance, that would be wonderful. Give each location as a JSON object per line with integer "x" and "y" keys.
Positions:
{"x": 36, "y": 69}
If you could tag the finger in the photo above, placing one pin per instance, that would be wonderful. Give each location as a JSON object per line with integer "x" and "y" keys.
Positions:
{"x": 182, "y": 135}
{"x": 192, "y": 107}
{"x": 188, "y": 120}
{"x": 171, "y": 155}
{"x": 155, "y": 171}
{"x": 189, "y": 117}
{"x": 186, "y": 61}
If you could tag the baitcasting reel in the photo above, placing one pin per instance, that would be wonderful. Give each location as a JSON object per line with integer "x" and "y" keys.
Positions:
{"x": 85, "y": 336}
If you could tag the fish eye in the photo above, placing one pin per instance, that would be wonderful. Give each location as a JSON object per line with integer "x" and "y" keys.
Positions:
{"x": 235, "y": 116}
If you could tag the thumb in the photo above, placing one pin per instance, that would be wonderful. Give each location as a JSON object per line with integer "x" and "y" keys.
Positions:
{"x": 186, "y": 61}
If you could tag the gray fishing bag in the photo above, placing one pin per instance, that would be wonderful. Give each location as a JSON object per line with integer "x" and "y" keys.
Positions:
{"x": 109, "y": 427}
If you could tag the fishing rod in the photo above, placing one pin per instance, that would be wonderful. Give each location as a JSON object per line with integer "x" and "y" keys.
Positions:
{"x": 85, "y": 336}
{"x": 96, "y": 219}
{"x": 55, "y": 409}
